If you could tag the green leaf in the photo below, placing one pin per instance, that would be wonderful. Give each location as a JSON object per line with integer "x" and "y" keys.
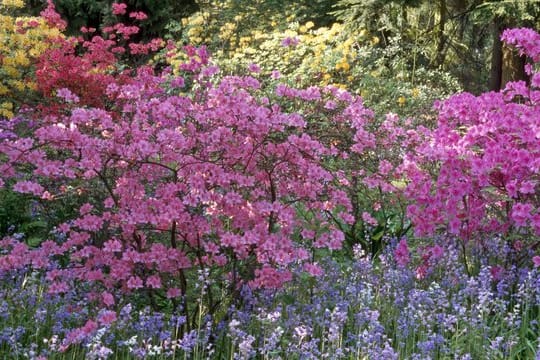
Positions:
{"x": 378, "y": 235}
{"x": 34, "y": 241}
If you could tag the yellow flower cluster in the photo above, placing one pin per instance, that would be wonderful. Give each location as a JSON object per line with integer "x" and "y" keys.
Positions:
{"x": 343, "y": 65}
{"x": 324, "y": 55}
{"x": 22, "y": 40}
{"x": 13, "y": 3}
{"x": 227, "y": 30}
{"x": 297, "y": 48}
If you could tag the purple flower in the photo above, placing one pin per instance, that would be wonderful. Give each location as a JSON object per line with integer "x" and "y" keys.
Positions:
{"x": 302, "y": 331}
{"x": 290, "y": 41}
{"x": 189, "y": 341}
{"x": 178, "y": 82}
{"x": 254, "y": 68}
{"x": 246, "y": 348}
{"x": 67, "y": 95}
{"x": 139, "y": 352}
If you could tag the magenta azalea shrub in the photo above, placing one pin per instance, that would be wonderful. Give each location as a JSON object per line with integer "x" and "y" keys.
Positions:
{"x": 478, "y": 172}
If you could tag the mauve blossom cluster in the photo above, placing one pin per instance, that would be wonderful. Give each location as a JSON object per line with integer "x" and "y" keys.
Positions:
{"x": 524, "y": 39}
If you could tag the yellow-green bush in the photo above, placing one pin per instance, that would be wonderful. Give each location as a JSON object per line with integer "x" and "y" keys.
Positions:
{"x": 255, "y": 34}
{"x": 307, "y": 54}
{"x": 22, "y": 40}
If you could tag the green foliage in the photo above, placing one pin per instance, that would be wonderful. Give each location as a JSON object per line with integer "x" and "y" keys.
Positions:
{"x": 377, "y": 16}
{"x": 515, "y": 12}
{"x": 453, "y": 36}
{"x": 14, "y": 212}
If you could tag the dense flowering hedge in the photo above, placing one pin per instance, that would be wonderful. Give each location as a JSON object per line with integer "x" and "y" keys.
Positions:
{"x": 302, "y": 53}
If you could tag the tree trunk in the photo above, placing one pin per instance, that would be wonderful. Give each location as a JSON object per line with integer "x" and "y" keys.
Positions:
{"x": 441, "y": 36}
{"x": 513, "y": 66}
{"x": 496, "y": 56}
{"x": 506, "y": 63}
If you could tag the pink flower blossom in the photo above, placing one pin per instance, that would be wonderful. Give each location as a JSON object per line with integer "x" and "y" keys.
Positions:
{"x": 254, "y": 68}
{"x": 52, "y": 17}
{"x": 67, "y": 95}
{"x": 313, "y": 269}
{"x": 290, "y": 41}
{"x": 106, "y": 317}
{"x": 112, "y": 246}
{"x": 270, "y": 278}
{"x": 134, "y": 282}
{"x": 275, "y": 74}
{"x": 173, "y": 293}
{"x": 119, "y": 8}
{"x": 521, "y": 213}
{"x": 28, "y": 187}
{"x": 402, "y": 254}
{"x": 153, "y": 282}
{"x": 369, "y": 219}
{"x": 330, "y": 105}
{"x": 497, "y": 273}
{"x": 108, "y": 299}
{"x": 139, "y": 15}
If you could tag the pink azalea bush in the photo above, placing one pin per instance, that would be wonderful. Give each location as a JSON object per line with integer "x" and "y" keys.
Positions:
{"x": 175, "y": 181}
{"x": 477, "y": 172}
{"x": 366, "y": 158}
{"x": 172, "y": 173}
